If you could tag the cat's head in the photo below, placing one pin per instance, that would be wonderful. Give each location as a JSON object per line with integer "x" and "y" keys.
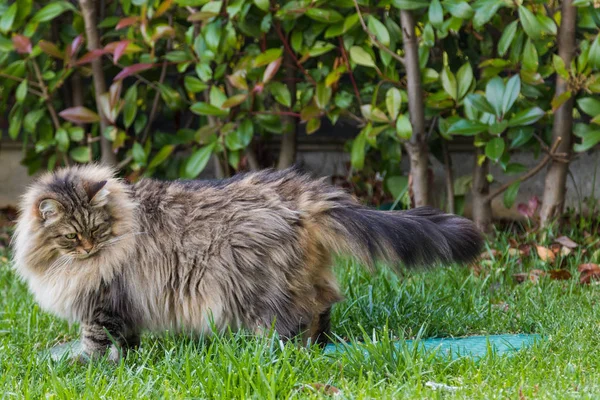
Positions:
{"x": 77, "y": 213}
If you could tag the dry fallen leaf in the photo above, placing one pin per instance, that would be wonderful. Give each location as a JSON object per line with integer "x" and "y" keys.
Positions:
{"x": 513, "y": 243}
{"x": 322, "y": 388}
{"x": 588, "y": 272}
{"x": 560, "y": 275}
{"x": 525, "y": 249}
{"x": 565, "y": 251}
{"x": 533, "y": 276}
{"x": 487, "y": 255}
{"x": 545, "y": 254}
{"x": 514, "y": 252}
{"x": 555, "y": 247}
{"x": 567, "y": 242}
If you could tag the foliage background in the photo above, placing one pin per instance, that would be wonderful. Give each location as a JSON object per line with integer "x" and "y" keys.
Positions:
{"x": 84, "y": 81}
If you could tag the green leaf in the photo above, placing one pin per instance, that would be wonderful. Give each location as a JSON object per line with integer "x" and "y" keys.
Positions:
{"x": 559, "y": 100}
{"x": 357, "y": 155}
{"x": 464, "y": 78}
{"x": 161, "y": 156}
{"x": 328, "y": 16}
{"x": 494, "y": 149}
{"x": 281, "y": 93}
{"x": 197, "y": 161}
{"x": 494, "y": 93}
{"x": 458, "y": 8}
{"x": 436, "y": 14}
{"x": 359, "y": 56}
{"x": 511, "y": 93}
{"x": 193, "y": 84}
{"x": 403, "y": 127}
{"x": 559, "y": 66}
{"x": 589, "y": 105}
{"x": 511, "y": 194}
{"x": 170, "y": 96}
{"x": 130, "y": 107}
{"x": 138, "y": 153}
{"x": 480, "y": 103}
{"x": 51, "y": 11}
{"x": 515, "y": 168}
{"x": 547, "y": 23}
{"x": 202, "y": 108}
{"x": 31, "y": 120}
{"x": 507, "y": 38}
{"x": 485, "y": 11}
{"x": 410, "y": 4}
{"x": 591, "y": 139}
{"x": 267, "y": 57}
{"x": 62, "y": 139}
{"x": 520, "y": 136}
{"x": 393, "y": 102}
{"x": 81, "y": 154}
{"x": 379, "y": 30}
{"x": 449, "y": 83}
{"x": 16, "y": 120}
{"x": 241, "y": 137}
{"x": 498, "y": 128}
{"x": 526, "y": 117}
{"x": 323, "y": 96}
{"x": 530, "y": 57}
{"x": 76, "y": 133}
{"x": 531, "y": 25}
{"x": 234, "y": 100}
{"x": 8, "y": 17}
{"x": 313, "y": 125}
{"x": 465, "y": 127}
{"x": 21, "y": 92}
{"x": 262, "y": 4}
{"x": 594, "y": 53}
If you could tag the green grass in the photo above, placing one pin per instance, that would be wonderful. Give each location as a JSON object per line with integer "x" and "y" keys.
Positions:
{"x": 440, "y": 302}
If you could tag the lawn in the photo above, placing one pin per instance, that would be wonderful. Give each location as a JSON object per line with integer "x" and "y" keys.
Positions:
{"x": 441, "y": 302}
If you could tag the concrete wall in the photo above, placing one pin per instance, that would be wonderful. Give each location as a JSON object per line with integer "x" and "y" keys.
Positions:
{"x": 14, "y": 178}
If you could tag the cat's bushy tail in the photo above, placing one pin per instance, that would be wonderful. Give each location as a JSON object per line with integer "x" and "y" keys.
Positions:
{"x": 420, "y": 236}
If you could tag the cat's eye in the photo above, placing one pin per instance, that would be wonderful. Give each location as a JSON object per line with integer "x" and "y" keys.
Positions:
{"x": 71, "y": 235}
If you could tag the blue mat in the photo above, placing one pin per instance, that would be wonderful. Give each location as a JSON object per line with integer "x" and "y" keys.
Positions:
{"x": 473, "y": 346}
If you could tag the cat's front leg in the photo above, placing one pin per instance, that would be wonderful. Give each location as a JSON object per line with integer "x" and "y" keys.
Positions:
{"x": 105, "y": 332}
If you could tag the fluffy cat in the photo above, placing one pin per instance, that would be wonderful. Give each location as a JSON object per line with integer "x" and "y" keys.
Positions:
{"x": 250, "y": 252}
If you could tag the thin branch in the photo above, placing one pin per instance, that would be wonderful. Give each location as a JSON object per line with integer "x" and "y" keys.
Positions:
{"x": 45, "y": 95}
{"x": 289, "y": 50}
{"x": 124, "y": 162}
{"x": 347, "y": 62}
{"x": 451, "y": 208}
{"x": 16, "y": 78}
{"x": 88, "y": 11}
{"x": 529, "y": 174}
{"x": 373, "y": 37}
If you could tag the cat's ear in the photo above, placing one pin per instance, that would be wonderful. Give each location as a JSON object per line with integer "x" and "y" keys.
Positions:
{"x": 50, "y": 210}
{"x": 97, "y": 193}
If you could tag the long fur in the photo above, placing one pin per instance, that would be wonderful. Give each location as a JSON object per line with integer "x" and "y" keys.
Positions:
{"x": 245, "y": 252}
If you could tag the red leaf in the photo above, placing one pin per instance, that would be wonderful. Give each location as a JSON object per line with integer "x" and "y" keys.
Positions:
{"x": 524, "y": 210}
{"x": 132, "y": 69}
{"x": 534, "y": 203}
{"x": 271, "y": 70}
{"x": 588, "y": 272}
{"x": 22, "y": 44}
{"x": 90, "y": 56}
{"x": 120, "y": 49}
{"x": 125, "y": 22}
{"x": 79, "y": 115}
{"x": 75, "y": 45}
{"x": 50, "y": 49}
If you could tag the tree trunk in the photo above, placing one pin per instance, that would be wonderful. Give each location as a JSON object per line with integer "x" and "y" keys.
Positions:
{"x": 417, "y": 145}
{"x": 88, "y": 10}
{"x": 450, "y": 207}
{"x": 287, "y": 152}
{"x": 482, "y": 205}
{"x": 556, "y": 177}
